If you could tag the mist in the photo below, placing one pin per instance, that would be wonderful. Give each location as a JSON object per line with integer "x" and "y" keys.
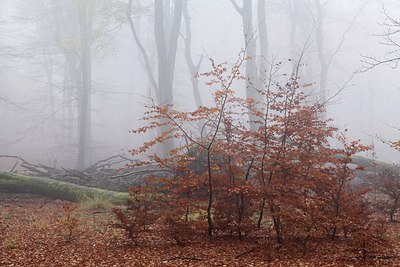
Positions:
{"x": 45, "y": 50}
{"x": 199, "y": 132}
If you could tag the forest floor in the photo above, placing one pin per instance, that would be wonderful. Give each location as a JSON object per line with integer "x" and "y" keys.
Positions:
{"x": 36, "y": 231}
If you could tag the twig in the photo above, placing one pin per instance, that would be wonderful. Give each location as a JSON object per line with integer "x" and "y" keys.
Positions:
{"x": 96, "y": 165}
{"x": 246, "y": 252}
{"x": 380, "y": 257}
{"x": 15, "y": 165}
{"x": 137, "y": 172}
{"x": 191, "y": 258}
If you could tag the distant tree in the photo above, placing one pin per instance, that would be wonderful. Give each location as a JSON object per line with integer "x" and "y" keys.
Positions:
{"x": 325, "y": 58}
{"x": 392, "y": 55}
{"x": 8, "y": 52}
{"x": 300, "y": 27}
{"x": 390, "y": 40}
{"x": 193, "y": 68}
{"x": 85, "y": 18}
{"x": 308, "y": 32}
{"x": 167, "y": 24}
{"x": 255, "y": 73}
{"x": 77, "y": 30}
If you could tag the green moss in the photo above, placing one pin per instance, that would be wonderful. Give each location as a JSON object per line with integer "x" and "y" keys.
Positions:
{"x": 17, "y": 183}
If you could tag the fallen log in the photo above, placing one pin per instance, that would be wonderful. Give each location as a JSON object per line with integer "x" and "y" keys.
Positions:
{"x": 99, "y": 175}
{"x": 17, "y": 183}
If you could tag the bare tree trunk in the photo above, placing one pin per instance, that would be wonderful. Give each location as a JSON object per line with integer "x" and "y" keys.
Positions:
{"x": 252, "y": 71}
{"x": 263, "y": 40}
{"x": 85, "y": 25}
{"x": 67, "y": 33}
{"x": 73, "y": 82}
{"x": 293, "y": 14}
{"x": 300, "y": 33}
{"x": 166, "y": 54}
{"x": 321, "y": 54}
{"x": 325, "y": 59}
{"x": 48, "y": 65}
{"x": 193, "y": 68}
{"x": 148, "y": 66}
{"x": 251, "y": 51}
{"x": 167, "y": 24}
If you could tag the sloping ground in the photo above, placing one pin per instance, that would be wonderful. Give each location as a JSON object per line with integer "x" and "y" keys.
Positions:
{"x": 17, "y": 183}
{"x": 34, "y": 231}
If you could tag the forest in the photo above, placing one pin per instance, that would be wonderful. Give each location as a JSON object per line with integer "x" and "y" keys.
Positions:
{"x": 199, "y": 133}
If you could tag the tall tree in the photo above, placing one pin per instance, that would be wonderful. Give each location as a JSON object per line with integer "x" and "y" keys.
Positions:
{"x": 254, "y": 72}
{"x": 167, "y": 24}
{"x": 263, "y": 38}
{"x": 325, "y": 59}
{"x": 73, "y": 24}
{"x": 85, "y": 29}
{"x": 300, "y": 29}
{"x": 193, "y": 68}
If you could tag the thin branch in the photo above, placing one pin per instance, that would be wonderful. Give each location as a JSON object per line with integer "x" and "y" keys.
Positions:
{"x": 139, "y": 172}
{"x": 343, "y": 37}
{"x": 191, "y": 258}
{"x": 97, "y": 164}
{"x": 391, "y": 57}
{"x": 340, "y": 89}
{"x": 194, "y": 69}
{"x": 141, "y": 48}
{"x": 236, "y": 6}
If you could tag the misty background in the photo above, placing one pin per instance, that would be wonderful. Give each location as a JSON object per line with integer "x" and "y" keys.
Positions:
{"x": 53, "y": 50}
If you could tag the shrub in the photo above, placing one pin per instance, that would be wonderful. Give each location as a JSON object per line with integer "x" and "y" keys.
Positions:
{"x": 139, "y": 214}
{"x": 68, "y": 222}
{"x": 282, "y": 173}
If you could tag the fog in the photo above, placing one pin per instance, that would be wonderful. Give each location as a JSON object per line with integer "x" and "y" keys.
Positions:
{"x": 51, "y": 49}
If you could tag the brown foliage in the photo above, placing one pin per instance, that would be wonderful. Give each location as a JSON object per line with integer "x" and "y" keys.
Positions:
{"x": 387, "y": 185}
{"x": 139, "y": 215}
{"x": 284, "y": 176}
{"x": 32, "y": 239}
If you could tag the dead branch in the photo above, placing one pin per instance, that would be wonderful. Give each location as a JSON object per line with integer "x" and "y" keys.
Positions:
{"x": 191, "y": 258}
{"x": 142, "y": 49}
{"x": 140, "y": 172}
{"x": 107, "y": 163}
{"x": 101, "y": 174}
{"x": 15, "y": 165}
{"x": 248, "y": 251}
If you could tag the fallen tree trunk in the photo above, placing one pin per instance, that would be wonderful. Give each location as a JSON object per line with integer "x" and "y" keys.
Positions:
{"x": 102, "y": 174}
{"x": 17, "y": 183}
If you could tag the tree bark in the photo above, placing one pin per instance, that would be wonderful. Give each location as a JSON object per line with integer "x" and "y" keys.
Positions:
{"x": 166, "y": 54}
{"x": 193, "y": 68}
{"x": 85, "y": 26}
{"x": 252, "y": 70}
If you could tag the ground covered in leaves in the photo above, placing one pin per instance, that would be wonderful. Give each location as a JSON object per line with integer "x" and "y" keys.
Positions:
{"x": 36, "y": 231}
